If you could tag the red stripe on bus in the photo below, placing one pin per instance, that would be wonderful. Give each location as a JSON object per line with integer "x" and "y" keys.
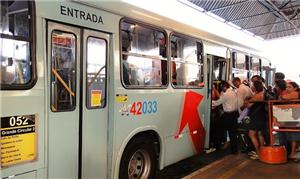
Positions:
{"x": 190, "y": 117}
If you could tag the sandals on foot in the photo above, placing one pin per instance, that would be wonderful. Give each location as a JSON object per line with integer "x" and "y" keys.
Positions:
{"x": 251, "y": 153}
{"x": 254, "y": 157}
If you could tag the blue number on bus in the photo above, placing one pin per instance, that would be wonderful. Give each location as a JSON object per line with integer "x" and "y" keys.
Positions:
{"x": 144, "y": 109}
{"x": 154, "y": 106}
{"x": 149, "y": 107}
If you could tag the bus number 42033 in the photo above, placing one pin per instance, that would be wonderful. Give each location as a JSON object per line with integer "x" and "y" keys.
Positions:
{"x": 146, "y": 107}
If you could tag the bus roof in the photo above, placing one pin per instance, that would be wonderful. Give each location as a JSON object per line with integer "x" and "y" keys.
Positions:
{"x": 124, "y": 9}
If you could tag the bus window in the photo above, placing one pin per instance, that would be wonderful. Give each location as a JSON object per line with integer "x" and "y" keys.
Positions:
{"x": 63, "y": 71}
{"x": 96, "y": 72}
{"x": 241, "y": 61}
{"x": 239, "y": 66}
{"x": 16, "y": 69}
{"x": 256, "y": 66}
{"x": 186, "y": 59}
{"x": 144, "y": 62}
{"x": 219, "y": 68}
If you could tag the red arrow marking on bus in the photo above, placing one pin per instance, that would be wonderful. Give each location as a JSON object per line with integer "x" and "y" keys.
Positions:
{"x": 190, "y": 117}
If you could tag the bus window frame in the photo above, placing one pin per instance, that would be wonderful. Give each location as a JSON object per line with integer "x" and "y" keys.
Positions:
{"x": 259, "y": 64}
{"x": 234, "y": 57}
{"x": 200, "y": 64}
{"x": 150, "y": 26}
{"x": 32, "y": 51}
{"x": 244, "y": 61}
{"x": 106, "y": 75}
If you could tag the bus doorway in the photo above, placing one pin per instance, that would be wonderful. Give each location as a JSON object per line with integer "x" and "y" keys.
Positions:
{"x": 78, "y": 111}
{"x": 217, "y": 73}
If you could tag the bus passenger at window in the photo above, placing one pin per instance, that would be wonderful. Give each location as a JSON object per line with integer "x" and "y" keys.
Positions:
{"x": 134, "y": 76}
{"x": 8, "y": 74}
{"x": 174, "y": 73}
{"x": 181, "y": 76}
{"x": 125, "y": 67}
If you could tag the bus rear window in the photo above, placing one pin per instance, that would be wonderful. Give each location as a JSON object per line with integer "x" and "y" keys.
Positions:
{"x": 16, "y": 45}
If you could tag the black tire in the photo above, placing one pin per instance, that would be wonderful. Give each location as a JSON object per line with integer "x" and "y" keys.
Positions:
{"x": 139, "y": 160}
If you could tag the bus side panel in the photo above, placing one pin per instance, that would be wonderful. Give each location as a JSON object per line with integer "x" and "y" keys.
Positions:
{"x": 29, "y": 102}
{"x": 17, "y": 103}
{"x": 167, "y": 119}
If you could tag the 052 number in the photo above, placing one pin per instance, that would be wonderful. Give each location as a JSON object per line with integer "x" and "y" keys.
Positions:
{"x": 18, "y": 121}
{"x": 146, "y": 107}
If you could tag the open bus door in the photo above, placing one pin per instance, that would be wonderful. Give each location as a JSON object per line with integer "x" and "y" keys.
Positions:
{"x": 218, "y": 71}
{"x": 78, "y": 111}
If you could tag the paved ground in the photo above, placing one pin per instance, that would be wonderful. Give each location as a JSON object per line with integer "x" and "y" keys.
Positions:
{"x": 187, "y": 166}
{"x": 241, "y": 167}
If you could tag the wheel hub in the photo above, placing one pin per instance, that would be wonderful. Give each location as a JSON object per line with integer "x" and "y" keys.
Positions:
{"x": 139, "y": 165}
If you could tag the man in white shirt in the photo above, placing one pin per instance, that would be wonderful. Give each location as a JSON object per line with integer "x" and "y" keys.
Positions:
{"x": 243, "y": 91}
{"x": 228, "y": 99}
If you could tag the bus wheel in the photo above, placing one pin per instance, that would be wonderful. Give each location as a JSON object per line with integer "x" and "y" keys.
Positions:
{"x": 139, "y": 160}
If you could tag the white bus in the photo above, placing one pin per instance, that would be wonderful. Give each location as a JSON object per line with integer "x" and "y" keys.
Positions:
{"x": 93, "y": 89}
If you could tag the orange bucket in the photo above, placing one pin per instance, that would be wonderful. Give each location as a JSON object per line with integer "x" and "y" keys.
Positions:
{"x": 273, "y": 154}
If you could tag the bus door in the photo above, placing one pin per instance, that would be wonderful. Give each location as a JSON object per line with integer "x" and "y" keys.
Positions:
{"x": 217, "y": 69}
{"x": 95, "y": 104}
{"x": 77, "y": 122}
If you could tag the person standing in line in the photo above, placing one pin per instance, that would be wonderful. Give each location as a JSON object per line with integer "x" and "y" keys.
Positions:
{"x": 279, "y": 76}
{"x": 292, "y": 93}
{"x": 257, "y": 114}
{"x": 216, "y": 135}
{"x": 256, "y": 78}
{"x": 243, "y": 92}
{"x": 278, "y": 79}
{"x": 280, "y": 88}
{"x": 228, "y": 99}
